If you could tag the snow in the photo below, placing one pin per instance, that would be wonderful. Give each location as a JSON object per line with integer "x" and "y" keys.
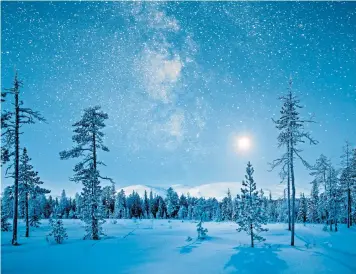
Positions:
{"x": 159, "y": 246}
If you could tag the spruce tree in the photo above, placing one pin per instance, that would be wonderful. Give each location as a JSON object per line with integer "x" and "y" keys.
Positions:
{"x": 29, "y": 188}
{"x": 302, "y": 213}
{"x": 58, "y": 232}
{"x": 332, "y": 192}
{"x": 313, "y": 204}
{"x": 6, "y": 202}
{"x": 319, "y": 171}
{"x": 88, "y": 140}
{"x": 347, "y": 183}
{"x": 202, "y": 232}
{"x": 292, "y": 133}
{"x": 252, "y": 216}
{"x": 146, "y": 205}
{"x": 120, "y": 205}
{"x": 11, "y": 122}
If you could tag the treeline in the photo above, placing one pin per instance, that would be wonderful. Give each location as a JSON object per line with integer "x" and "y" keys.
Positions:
{"x": 121, "y": 205}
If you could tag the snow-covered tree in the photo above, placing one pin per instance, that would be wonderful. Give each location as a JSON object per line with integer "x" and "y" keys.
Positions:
{"x": 63, "y": 205}
{"x": 7, "y": 204}
{"x": 313, "y": 204}
{"x": 172, "y": 202}
{"x": 11, "y": 122}
{"x": 202, "y": 232}
{"x": 217, "y": 213}
{"x": 226, "y": 207}
{"x": 29, "y": 190}
{"x": 182, "y": 213}
{"x": 120, "y": 205}
{"x": 146, "y": 205}
{"x": 252, "y": 216}
{"x": 292, "y": 133}
{"x": 347, "y": 183}
{"x": 332, "y": 192}
{"x": 106, "y": 201}
{"x": 303, "y": 209}
{"x": 58, "y": 232}
{"x": 271, "y": 209}
{"x": 88, "y": 139}
{"x": 6, "y": 201}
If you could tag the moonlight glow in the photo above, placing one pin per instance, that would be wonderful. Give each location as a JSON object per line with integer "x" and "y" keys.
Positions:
{"x": 243, "y": 143}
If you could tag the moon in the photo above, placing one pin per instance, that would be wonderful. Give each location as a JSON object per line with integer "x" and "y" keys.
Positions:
{"x": 243, "y": 143}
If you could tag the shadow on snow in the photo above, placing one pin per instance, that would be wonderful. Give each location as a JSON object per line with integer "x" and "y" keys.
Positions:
{"x": 256, "y": 260}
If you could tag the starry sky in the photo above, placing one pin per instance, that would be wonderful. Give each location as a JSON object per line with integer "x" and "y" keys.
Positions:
{"x": 180, "y": 82}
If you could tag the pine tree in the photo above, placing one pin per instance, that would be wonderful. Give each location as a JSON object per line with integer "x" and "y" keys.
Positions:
{"x": 319, "y": 171}
{"x": 271, "y": 209}
{"x": 251, "y": 216}
{"x": 302, "y": 213}
{"x": 202, "y": 232}
{"x": 347, "y": 183}
{"x": 88, "y": 139}
{"x": 29, "y": 183}
{"x": 106, "y": 201}
{"x": 332, "y": 191}
{"x": 313, "y": 205}
{"x": 120, "y": 205}
{"x": 146, "y": 205}
{"x": 11, "y": 122}
{"x": 292, "y": 133}
{"x": 217, "y": 213}
{"x": 172, "y": 202}
{"x": 58, "y": 232}
{"x": 6, "y": 209}
{"x": 182, "y": 213}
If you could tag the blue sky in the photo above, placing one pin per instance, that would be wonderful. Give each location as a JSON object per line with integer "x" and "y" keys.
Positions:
{"x": 180, "y": 82}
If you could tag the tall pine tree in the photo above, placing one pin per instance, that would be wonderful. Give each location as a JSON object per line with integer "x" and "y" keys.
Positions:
{"x": 10, "y": 149}
{"x": 88, "y": 140}
{"x": 292, "y": 133}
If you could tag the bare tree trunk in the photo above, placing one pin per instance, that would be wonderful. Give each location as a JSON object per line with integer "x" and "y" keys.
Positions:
{"x": 349, "y": 207}
{"x": 293, "y": 194}
{"x": 94, "y": 206}
{"x": 330, "y": 218}
{"x": 16, "y": 183}
{"x": 288, "y": 175}
{"x": 251, "y": 229}
{"x": 27, "y": 234}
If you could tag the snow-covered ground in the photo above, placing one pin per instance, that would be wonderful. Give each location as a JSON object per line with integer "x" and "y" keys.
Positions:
{"x": 160, "y": 247}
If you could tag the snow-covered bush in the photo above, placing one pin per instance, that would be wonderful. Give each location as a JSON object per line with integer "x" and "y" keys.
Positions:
{"x": 58, "y": 231}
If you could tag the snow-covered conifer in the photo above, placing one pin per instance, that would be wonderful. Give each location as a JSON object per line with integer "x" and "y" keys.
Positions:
{"x": 251, "y": 217}
{"x": 202, "y": 232}
{"x": 303, "y": 208}
{"x": 88, "y": 139}
{"x": 30, "y": 190}
{"x": 172, "y": 202}
{"x": 120, "y": 205}
{"x": 347, "y": 182}
{"x": 11, "y": 122}
{"x": 292, "y": 133}
{"x": 58, "y": 232}
{"x": 313, "y": 204}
